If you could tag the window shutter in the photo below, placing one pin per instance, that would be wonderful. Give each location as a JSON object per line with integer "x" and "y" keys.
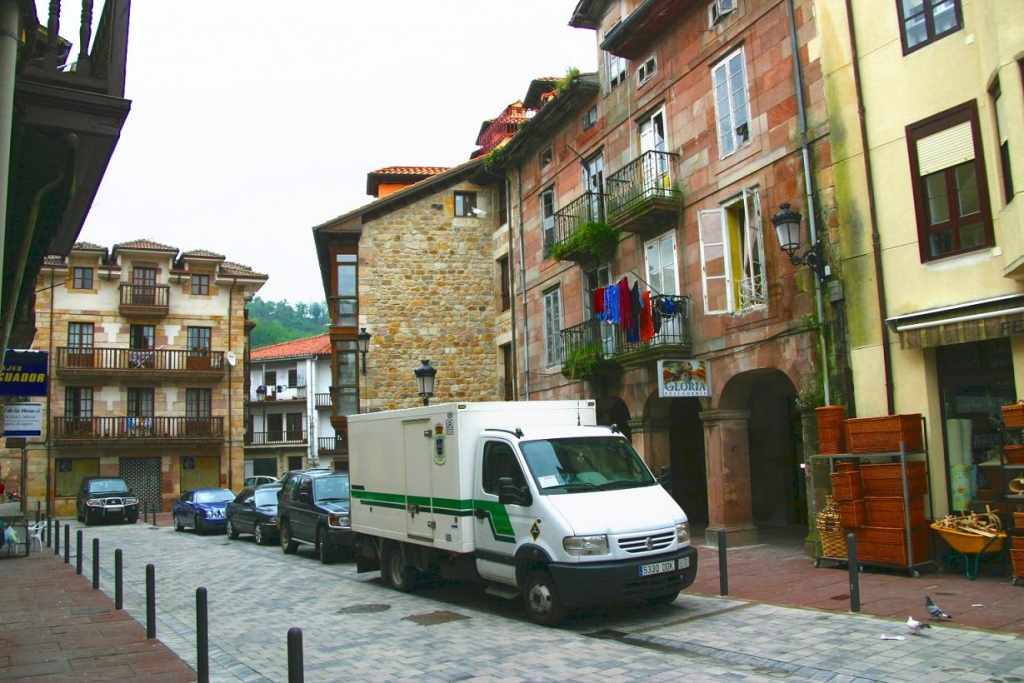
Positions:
{"x": 713, "y": 266}
{"x": 946, "y": 148}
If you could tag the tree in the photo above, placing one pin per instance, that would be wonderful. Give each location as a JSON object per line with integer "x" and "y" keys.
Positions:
{"x": 280, "y": 321}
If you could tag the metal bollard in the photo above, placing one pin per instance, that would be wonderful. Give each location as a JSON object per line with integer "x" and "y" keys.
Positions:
{"x": 854, "y": 567}
{"x": 723, "y": 564}
{"x": 295, "y": 674}
{"x": 56, "y": 537}
{"x": 49, "y": 531}
{"x": 78, "y": 553}
{"x": 38, "y": 512}
{"x": 95, "y": 563}
{"x": 118, "y": 581}
{"x": 150, "y": 601}
{"x": 202, "y": 637}
{"x": 67, "y": 543}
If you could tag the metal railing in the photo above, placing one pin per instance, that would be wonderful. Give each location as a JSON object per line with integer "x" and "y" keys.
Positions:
{"x": 610, "y": 341}
{"x": 276, "y": 437}
{"x": 324, "y": 400}
{"x": 124, "y": 427}
{"x": 329, "y": 445}
{"x": 136, "y": 360}
{"x": 588, "y": 207}
{"x": 151, "y": 297}
{"x": 646, "y": 177}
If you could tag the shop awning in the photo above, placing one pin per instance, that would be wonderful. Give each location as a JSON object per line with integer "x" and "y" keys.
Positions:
{"x": 1001, "y": 316}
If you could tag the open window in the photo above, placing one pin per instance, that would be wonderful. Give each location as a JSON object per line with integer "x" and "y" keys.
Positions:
{"x": 732, "y": 103}
{"x": 732, "y": 256}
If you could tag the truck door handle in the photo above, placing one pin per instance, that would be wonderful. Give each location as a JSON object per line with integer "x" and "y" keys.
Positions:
{"x": 479, "y": 513}
{"x": 413, "y": 508}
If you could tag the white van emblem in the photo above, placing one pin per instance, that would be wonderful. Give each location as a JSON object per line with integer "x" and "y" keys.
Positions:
{"x": 650, "y": 543}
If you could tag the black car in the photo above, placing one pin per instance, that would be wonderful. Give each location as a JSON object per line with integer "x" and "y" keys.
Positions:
{"x": 313, "y": 509}
{"x": 106, "y": 499}
{"x": 254, "y": 511}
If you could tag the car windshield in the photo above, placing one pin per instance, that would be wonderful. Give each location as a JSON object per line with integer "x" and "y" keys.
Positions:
{"x": 218, "y": 496}
{"x": 581, "y": 464}
{"x": 266, "y": 497}
{"x": 108, "y": 486}
{"x": 331, "y": 488}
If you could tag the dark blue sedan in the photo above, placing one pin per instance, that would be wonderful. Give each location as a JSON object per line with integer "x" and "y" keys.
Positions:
{"x": 254, "y": 512}
{"x": 201, "y": 509}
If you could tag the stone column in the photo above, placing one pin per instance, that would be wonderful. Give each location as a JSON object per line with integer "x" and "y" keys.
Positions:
{"x": 727, "y": 449}
{"x": 651, "y": 441}
{"x": 815, "y": 473}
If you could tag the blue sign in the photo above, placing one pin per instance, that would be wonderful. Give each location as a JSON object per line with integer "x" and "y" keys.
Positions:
{"x": 24, "y": 373}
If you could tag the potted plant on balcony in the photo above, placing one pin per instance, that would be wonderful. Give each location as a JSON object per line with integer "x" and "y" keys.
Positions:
{"x": 588, "y": 361}
{"x": 593, "y": 240}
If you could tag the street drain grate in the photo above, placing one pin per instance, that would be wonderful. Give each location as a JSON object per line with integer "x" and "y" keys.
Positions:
{"x": 364, "y": 609}
{"x": 79, "y": 611}
{"x": 607, "y": 634}
{"x": 432, "y": 618}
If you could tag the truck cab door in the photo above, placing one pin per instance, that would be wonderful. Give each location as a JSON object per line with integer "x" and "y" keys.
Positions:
{"x": 500, "y": 527}
{"x": 418, "y": 461}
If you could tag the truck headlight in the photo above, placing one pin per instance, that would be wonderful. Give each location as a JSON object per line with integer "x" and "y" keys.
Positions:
{"x": 131, "y": 501}
{"x": 339, "y": 521}
{"x": 683, "y": 533}
{"x": 580, "y": 546}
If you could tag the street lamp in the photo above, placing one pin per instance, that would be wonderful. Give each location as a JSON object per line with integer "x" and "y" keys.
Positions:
{"x": 787, "y": 229}
{"x": 363, "y": 342}
{"x": 425, "y": 380}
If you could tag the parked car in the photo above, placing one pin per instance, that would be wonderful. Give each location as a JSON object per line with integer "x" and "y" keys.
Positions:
{"x": 254, "y": 511}
{"x": 104, "y": 499}
{"x": 201, "y": 509}
{"x": 259, "y": 479}
{"x": 313, "y": 508}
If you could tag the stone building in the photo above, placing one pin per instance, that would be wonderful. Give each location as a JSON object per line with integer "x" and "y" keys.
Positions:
{"x": 147, "y": 381}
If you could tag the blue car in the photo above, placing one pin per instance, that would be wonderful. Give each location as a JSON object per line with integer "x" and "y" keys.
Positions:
{"x": 201, "y": 509}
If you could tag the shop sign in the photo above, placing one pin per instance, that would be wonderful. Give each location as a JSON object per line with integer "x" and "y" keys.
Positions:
{"x": 684, "y": 378}
{"x": 23, "y": 419}
{"x": 24, "y": 373}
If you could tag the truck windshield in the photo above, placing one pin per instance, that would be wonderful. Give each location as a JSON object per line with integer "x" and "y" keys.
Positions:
{"x": 581, "y": 464}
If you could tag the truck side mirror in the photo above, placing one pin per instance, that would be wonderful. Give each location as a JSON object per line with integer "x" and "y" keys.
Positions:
{"x": 666, "y": 476}
{"x": 510, "y": 494}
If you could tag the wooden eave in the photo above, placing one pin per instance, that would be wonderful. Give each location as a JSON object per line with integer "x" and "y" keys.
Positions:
{"x": 632, "y": 37}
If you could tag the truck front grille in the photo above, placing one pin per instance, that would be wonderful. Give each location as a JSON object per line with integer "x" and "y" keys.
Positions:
{"x": 647, "y": 543}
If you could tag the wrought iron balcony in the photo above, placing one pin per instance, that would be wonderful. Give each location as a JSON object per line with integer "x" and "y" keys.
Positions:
{"x": 331, "y": 445}
{"x": 124, "y": 430}
{"x": 145, "y": 299}
{"x": 324, "y": 400}
{"x": 564, "y": 241}
{"x": 641, "y": 196}
{"x": 99, "y": 362}
{"x": 274, "y": 394}
{"x": 280, "y": 437}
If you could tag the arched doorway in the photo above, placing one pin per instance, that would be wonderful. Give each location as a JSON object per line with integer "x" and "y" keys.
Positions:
{"x": 613, "y": 411}
{"x": 689, "y": 467}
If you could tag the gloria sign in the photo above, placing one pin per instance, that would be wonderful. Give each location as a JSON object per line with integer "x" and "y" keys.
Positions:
{"x": 683, "y": 378}
{"x": 24, "y": 373}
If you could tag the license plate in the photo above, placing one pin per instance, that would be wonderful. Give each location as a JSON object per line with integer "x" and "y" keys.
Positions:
{"x": 657, "y": 568}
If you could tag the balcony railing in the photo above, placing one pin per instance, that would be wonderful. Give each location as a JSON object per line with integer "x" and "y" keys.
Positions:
{"x": 276, "y": 438}
{"x": 324, "y": 400}
{"x": 273, "y": 394}
{"x": 137, "y": 428}
{"x": 588, "y": 207}
{"x": 641, "y": 194}
{"x": 95, "y": 360}
{"x": 145, "y": 299}
{"x": 331, "y": 445}
{"x": 594, "y": 346}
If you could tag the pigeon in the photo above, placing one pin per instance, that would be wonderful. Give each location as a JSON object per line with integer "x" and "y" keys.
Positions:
{"x": 934, "y": 610}
{"x": 915, "y": 626}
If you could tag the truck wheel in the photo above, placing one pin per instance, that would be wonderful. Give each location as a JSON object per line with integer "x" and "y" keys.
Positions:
{"x": 666, "y": 599}
{"x": 394, "y": 570}
{"x": 540, "y": 598}
{"x": 288, "y": 544}
{"x": 324, "y": 547}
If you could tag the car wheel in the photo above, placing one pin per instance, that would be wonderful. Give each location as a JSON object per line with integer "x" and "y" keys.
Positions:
{"x": 326, "y": 550}
{"x": 177, "y": 523}
{"x": 232, "y": 532}
{"x": 78, "y": 516}
{"x": 133, "y": 519}
{"x": 394, "y": 570}
{"x": 88, "y": 519}
{"x": 540, "y": 598}
{"x": 258, "y": 534}
{"x": 288, "y": 544}
{"x": 666, "y": 599}
{"x": 198, "y": 526}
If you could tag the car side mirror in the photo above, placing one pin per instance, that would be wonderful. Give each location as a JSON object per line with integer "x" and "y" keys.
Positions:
{"x": 249, "y": 501}
{"x": 510, "y": 494}
{"x": 666, "y": 476}
{"x": 304, "y": 497}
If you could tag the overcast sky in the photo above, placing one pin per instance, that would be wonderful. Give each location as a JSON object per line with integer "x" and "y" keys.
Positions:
{"x": 254, "y": 120}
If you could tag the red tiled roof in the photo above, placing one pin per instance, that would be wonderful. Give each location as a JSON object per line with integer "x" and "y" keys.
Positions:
{"x": 146, "y": 244}
{"x": 406, "y": 175}
{"x": 239, "y": 269}
{"x": 202, "y": 253}
{"x": 410, "y": 170}
{"x": 87, "y": 246}
{"x": 319, "y": 345}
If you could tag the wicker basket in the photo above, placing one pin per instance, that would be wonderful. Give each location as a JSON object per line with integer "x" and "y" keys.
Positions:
{"x": 833, "y": 544}
{"x": 846, "y": 485}
{"x": 1014, "y": 454}
{"x": 831, "y": 434}
{"x": 888, "y": 512}
{"x": 853, "y": 513}
{"x": 884, "y": 434}
{"x": 830, "y": 530}
{"x": 886, "y": 479}
{"x": 1018, "y": 520}
{"x": 1017, "y": 542}
{"x": 1017, "y": 557}
{"x": 1013, "y": 416}
{"x": 889, "y": 546}
{"x": 847, "y": 466}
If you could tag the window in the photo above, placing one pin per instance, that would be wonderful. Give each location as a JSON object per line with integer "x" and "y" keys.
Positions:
{"x": 552, "y": 327}
{"x": 275, "y": 427}
{"x": 719, "y": 8}
{"x": 655, "y": 168}
{"x": 660, "y": 255}
{"x": 731, "y": 103}
{"x": 925, "y": 21}
{"x": 198, "y": 402}
{"x": 950, "y": 191}
{"x": 500, "y": 461}
{"x": 999, "y": 107}
{"x": 140, "y": 401}
{"x": 81, "y": 278}
{"x": 590, "y": 118}
{"x": 199, "y": 339}
{"x": 143, "y": 286}
{"x": 596, "y": 280}
{"x": 293, "y": 377}
{"x": 345, "y": 302}
{"x": 547, "y": 217}
{"x": 646, "y": 71}
{"x": 616, "y": 68}
{"x": 201, "y": 284}
{"x": 465, "y": 202}
{"x": 78, "y": 403}
{"x": 293, "y": 427}
{"x": 505, "y": 282}
{"x": 545, "y": 157}
{"x": 503, "y": 201}
{"x": 141, "y": 337}
{"x": 346, "y": 378}
{"x": 80, "y": 335}
{"x": 732, "y": 256}
{"x": 270, "y": 378}
{"x": 508, "y": 367}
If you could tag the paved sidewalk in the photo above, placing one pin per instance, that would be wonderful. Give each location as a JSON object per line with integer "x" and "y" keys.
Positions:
{"x": 55, "y": 627}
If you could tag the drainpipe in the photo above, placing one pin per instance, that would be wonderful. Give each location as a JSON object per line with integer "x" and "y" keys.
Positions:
{"x": 8, "y": 70}
{"x": 231, "y": 441}
{"x": 522, "y": 279}
{"x": 512, "y": 289}
{"x": 876, "y": 238}
{"x": 811, "y": 211}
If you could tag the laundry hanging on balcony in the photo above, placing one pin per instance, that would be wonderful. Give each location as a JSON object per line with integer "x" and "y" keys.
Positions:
{"x": 629, "y": 308}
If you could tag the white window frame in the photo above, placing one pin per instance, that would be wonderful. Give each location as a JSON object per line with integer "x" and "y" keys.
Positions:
{"x": 616, "y": 68}
{"x": 646, "y": 70}
{"x": 732, "y": 102}
{"x": 662, "y": 277}
{"x": 553, "y": 327}
{"x": 740, "y": 250}
{"x": 547, "y": 221}
{"x": 718, "y": 9}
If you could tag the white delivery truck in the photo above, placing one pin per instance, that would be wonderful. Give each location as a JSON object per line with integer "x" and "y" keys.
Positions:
{"x": 531, "y": 498}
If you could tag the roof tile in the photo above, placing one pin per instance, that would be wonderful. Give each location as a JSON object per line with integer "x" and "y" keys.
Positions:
{"x": 309, "y": 346}
{"x": 146, "y": 244}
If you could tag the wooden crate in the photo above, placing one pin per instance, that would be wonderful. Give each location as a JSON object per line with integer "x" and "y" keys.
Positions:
{"x": 1014, "y": 454}
{"x": 846, "y": 485}
{"x": 831, "y": 431}
{"x": 1017, "y": 557}
{"x": 1013, "y": 416}
{"x": 884, "y": 434}
{"x": 853, "y": 513}
{"x": 888, "y": 512}
{"x": 886, "y": 479}
{"x": 889, "y": 546}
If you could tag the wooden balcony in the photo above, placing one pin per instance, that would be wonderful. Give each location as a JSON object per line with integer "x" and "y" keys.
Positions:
{"x": 129, "y": 431}
{"x": 642, "y": 197}
{"x": 100, "y": 362}
{"x": 284, "y": 437}
{"x": 145, "y": 300}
